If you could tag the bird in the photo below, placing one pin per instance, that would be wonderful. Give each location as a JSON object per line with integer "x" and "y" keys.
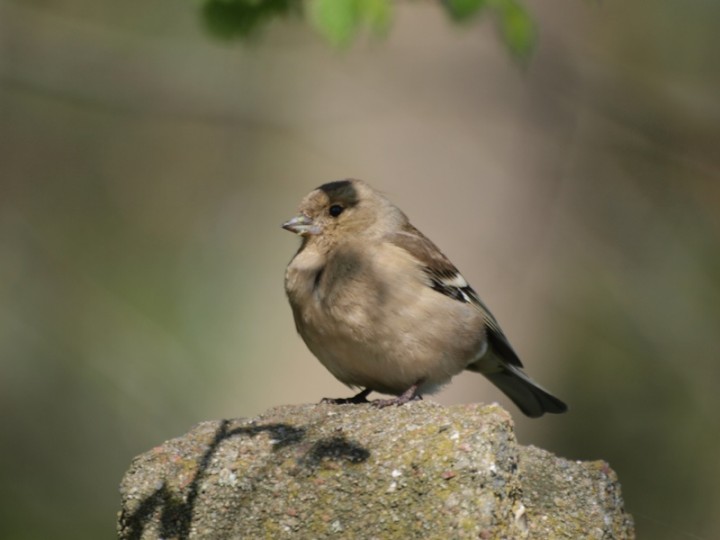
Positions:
{"x": 384, "y": 310}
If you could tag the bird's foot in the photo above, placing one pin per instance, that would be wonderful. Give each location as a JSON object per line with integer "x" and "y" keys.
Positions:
{"x": 358, "y": 398}
{"x": 408, "y": 395}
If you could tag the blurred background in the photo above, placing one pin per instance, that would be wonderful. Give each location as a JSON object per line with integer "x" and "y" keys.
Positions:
{"x": 145, "y": 168}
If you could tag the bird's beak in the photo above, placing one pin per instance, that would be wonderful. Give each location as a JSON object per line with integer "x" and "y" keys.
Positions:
{"x": 301, "y": 225}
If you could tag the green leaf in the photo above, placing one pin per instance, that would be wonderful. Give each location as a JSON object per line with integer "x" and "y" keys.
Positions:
{"x": 462, "y": 10}
{"x": 516, "y": 27}
{"x": 228, "y": 19}
{"x": 339, "y": 20}
{"x": 336, "y": 20}
{"x": 377, "y": 14}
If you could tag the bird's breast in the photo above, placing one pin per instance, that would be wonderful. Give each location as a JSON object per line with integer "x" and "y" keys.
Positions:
{"x": 374, "y": 322}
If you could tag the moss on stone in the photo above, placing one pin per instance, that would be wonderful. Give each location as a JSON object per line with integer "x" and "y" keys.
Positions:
{"x": 321, "y": 471}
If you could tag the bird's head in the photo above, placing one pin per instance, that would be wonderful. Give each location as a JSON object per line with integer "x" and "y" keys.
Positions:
{"x": 342, "y": 209}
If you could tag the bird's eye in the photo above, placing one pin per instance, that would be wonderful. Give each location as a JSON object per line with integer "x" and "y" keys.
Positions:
{"x": 335, "y": 210}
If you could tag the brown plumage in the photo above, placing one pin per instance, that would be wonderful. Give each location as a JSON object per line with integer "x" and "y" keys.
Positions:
{"x": 383, "y": 309}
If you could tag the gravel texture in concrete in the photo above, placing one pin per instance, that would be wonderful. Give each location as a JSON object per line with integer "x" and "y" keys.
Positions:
{"x": 353, "y": 471}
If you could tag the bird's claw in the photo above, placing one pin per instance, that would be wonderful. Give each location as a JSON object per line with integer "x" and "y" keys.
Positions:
{"x": 356, "y": 399}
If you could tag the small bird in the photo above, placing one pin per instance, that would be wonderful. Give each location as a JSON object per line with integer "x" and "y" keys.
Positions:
{"x": 384, "y": 310}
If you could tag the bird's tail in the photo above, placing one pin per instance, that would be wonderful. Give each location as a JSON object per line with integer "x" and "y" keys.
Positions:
{"x": 532, "y": 399}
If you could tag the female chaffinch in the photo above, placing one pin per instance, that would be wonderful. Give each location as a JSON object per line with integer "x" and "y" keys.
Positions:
{"x": 383, "y": 309}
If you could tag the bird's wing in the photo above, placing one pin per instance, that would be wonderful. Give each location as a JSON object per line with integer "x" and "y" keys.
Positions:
{"x": 446, "y": 279}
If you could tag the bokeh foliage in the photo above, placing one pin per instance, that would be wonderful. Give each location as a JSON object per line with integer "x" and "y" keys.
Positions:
{"x": 340, "y": 21}
{"x": 145, "y": 168}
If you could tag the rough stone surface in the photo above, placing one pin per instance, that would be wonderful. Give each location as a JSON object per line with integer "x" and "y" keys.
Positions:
{"x": 353, "y": 471}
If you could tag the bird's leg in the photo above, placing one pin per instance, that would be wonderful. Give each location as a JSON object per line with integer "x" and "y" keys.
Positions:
{"x": 358, "y": 398}
{"x": 408, "y": 395}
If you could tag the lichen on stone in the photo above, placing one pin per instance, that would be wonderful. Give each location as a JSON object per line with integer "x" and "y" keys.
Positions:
{"x": 353, "y": 471}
